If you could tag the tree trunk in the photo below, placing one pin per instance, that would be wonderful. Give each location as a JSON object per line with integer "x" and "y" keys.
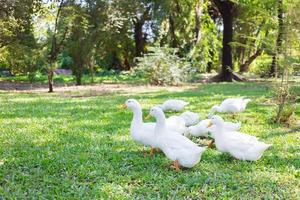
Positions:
{"x": 52, "y": 58}
{"x": 126, "y": 63}
{"x": 210, "y": 63}
{"x": 50, "y": 80}
{"x": 245, "y": 66}
{"x": 274, "y": 66}
{"x": 273, "y": 69}
{"x": 226, "y": 73}
{"x": 198, "y": 12}
{"x": 78, "y": 79}
{"x": 115, "y": 61}
{"x": 226, "y": 8}
{"x": 138, "y": 38}
{"x": 209, "y": 67}
{"x": 174, "y": 42}
{"x": 54, "y": 48}
{"x": 139, "y": 22}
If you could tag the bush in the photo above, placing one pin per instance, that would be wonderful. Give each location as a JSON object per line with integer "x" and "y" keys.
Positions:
{"x": 261, "y": 66}
{"x": 22, "y": 60}
{"x": 162, "y": 66}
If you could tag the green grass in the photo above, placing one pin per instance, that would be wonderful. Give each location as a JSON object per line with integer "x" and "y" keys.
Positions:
{"x": 80, "y": 148}
{"x": 86, "y": 79}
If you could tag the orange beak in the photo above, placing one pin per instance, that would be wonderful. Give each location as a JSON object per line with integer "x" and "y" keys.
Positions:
{"x": 148, "y": 117}
{"x": 123, "y": 106}
{"x": 209, "y": 124}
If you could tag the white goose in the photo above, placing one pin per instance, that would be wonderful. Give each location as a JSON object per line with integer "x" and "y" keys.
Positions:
{"x": 141, "y": 132}
{"x": 173, "y": 105}
{"x": 177, "y": 124}
{"x": 239, "y": 145}
{"x": 230, "y": 105}
{"x": 179, "y": 149}
{"x": 190, "y": 118}
{"x": 202, "y": 130}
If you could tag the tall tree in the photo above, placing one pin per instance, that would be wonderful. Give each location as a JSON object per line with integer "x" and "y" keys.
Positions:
{"x": 138, "y": 22}
{"x": 79, "y": 42}
{"x": 226, "y": 9}
{"x": 280, "y": 17}
{"x": 16, "y": 22}
{"x": 55, "y": 45}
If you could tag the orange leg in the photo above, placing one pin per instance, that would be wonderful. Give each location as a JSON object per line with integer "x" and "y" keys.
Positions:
{"x": 175, "y": 165}
{"x": 151, "y": 153}
{"x": 211, "y": 144}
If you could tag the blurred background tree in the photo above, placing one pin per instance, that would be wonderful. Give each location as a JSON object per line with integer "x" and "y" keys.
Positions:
{"x": 231, "y": 37}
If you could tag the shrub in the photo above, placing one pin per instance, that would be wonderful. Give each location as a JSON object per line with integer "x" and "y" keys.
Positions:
{"x": 261, "y": 66}
{"x": 22, "y": 60}
{"x": 162, "y": 66}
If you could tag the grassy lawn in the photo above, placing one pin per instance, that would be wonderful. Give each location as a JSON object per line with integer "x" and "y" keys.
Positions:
{"x": 54, "y": 146}
{"x": 86, "y": 79}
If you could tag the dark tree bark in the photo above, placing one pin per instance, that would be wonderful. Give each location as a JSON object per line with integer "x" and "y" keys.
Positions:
{"x": 274, "y": 66}
{"x": 226, "y": 10}
{"x": 126, "y": 62}
{"x": 174, "y": 42}
{"x": 50, "y": 80}
{"x": 209, "y": 67}
{"x": 78, "y": 78}
{"x": 115, "y": 61}
{"x": 139, "y": 39}
{"x": 210, "y": 64}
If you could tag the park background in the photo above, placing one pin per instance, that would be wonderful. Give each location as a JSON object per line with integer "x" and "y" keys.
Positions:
{"x": 66, "y": 65}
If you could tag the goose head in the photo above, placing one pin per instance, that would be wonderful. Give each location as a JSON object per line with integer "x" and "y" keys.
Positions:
{"x": 213, "y": 110}
{"x": 216, "y": 120}
{"x": 132, "y": 104}
{"x": 157, "y": 112}
{"x": 161, "y": 106}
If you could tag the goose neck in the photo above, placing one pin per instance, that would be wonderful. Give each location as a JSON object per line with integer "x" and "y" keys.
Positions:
{"x": 219, "y": 129}
{"x": 160, "y": 124}
{"x": 137, "y": 117}
{"x": 218, "y": 108}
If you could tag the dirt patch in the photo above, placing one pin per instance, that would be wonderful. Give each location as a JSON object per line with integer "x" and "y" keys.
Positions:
{"x": 74, "y": 91}
{"x": 20, "y": 86}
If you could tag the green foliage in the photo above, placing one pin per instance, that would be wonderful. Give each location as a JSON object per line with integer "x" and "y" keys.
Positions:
{"x": 16, "y": 21}
{"x": 261, "y": 66}
{"x": 287, "y": 60}
{"x": 204, "y": 52}
{"x": 103, "y": 34}
{"x": 64, "y": 60}
{"x": 79, "y": 42}
{"x": 22, "y": 60}
{"x": 162, "y": 66}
